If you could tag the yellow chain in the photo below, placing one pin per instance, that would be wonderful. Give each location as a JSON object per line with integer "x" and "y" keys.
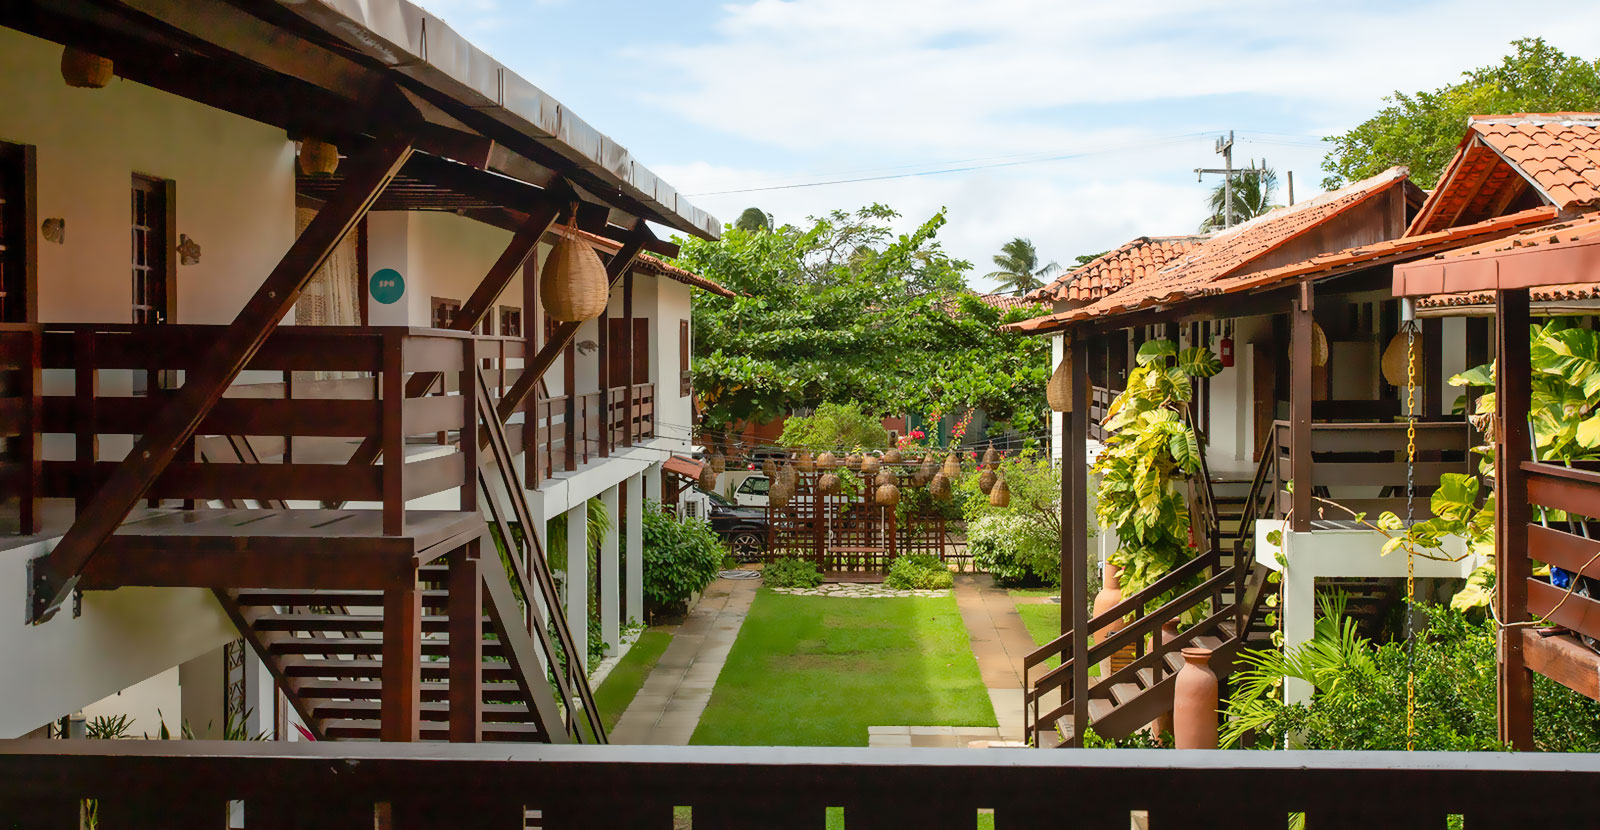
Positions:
{"x": 1411, "y": 577}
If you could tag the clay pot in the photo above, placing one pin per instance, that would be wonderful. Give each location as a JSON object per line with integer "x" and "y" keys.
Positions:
{"x": 939, "y": 487}
{"x": 1110, "y": 594}
{"x": 1194, "y": 702}
{"x": 826, "y": 461}
{"x": 986, "y": 481}
{"x": 1163, "y": 724}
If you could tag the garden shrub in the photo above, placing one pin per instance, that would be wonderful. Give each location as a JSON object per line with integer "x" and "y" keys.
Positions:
{"x": 791, "y": 573}
{"x": 918, "y": 571}
{"x": 834, "y": 426}
{"x": 681, "y": 557}
{"x": 1014, "y": 549}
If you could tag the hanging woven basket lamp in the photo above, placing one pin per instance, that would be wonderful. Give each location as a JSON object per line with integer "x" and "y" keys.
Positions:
{"x": 1393, "y": 361}
{"x": 853, "y": 462}
{"x": 939, "y": 487}
{"x": 1000, "y": 496}
{"x": 893, "y": 456}
{"x": 719, "y": 463}
{"x": 886, "y": 478}
{"x": 1319, "y": 346}
{"x": 930, "y": 468}
{"x": 573, "y": 286}
{"x": 1058, "y": 392}
{"x": 318, "y": 158}
{"x": 991, "y": 457}
{"x": 829, "y": 484}
{"x": 952, "y": 467}
{"x": 85, "y": 70}
{"x": 769, "y": 468}
{"x": 986, "y": 481}
{"x": 869, "y": 465}
{"x": 781, "y": 492}
{"x": 708, "y": 479}
{"x": 888, "y": 495}
{"x": 827, "y": 461}
{"x": 804, "y": 462}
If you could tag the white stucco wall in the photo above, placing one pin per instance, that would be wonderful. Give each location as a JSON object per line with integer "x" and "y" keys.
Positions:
{"x": 235, "y": 187}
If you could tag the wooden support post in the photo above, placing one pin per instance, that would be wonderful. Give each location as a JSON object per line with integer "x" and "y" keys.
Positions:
{"x": 570, "y": 383}
{"x": 401, "y": 705}
{"x": 466, "y": 643}
{"x": 86, "y": 387}
{"x": 366, "y": 175}
{"x": 393, "y": 434}
{"x": 1300, "y": 316}
{"x": 603, "y": 354}
{"x": 1075, "y": 538}
{"x": 1432, "y": 367}
{"x": 1512, "y": 566}
{"x": 469, "y": 424}
{"x": 627, "y": 344}
{"x": 1477, "y": 354}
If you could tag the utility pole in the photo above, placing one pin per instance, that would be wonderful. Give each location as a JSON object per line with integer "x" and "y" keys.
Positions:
{"x": 1225, "y": 149}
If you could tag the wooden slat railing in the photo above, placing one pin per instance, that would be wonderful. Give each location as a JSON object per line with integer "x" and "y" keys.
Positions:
{"x": 1362, "y": 466}
{"x": 1100, "y": 398}
{"x": 146, "y": 784}
{"x": 1565, "y": 541}
{"x": 300, "y": 428}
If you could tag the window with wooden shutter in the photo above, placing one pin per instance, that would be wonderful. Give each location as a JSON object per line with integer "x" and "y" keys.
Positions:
{"x": 151, "y": 250}
{"x": 510, "y": 321}
{"x": 444, "y": 312}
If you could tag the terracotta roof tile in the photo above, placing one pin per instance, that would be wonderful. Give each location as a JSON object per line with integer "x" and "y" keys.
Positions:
{"x": 1558, "y": 152}
{"x": 1405, "y": 248}
{"x": 1116, "y": 269}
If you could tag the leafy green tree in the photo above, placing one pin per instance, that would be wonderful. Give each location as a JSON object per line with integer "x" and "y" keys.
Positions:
{"x": 845, "y": 309}
{"x": 1421, "y": 130}
{"x": 1252, "y": 196}
{"x": 1019, "y": 268}
{"x": 835, "y": 426}
{"x": 753, "y": 219}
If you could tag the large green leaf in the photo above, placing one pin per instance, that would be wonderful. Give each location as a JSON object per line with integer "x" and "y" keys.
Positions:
{"x": 1199, "y": 362}
{"x": 1155, "y": 350}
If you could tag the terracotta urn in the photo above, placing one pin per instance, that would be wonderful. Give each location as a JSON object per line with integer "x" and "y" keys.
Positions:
{"x": 1163, "y": 724}
{"x": 1110, "y": 594}
{"x": 1194, "y": 702}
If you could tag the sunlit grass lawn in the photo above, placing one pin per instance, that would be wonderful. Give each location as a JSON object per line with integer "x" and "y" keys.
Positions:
{"x": 817, "y": 671}
{"x": 1043, "y": 620}
{"x": 627, "y": 676}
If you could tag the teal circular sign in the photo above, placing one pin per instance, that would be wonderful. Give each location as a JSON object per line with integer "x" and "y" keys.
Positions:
{"x": 387, "y": 286}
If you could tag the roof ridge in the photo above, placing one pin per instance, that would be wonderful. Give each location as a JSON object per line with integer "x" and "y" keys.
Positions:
{"x": 1588, "y": 118}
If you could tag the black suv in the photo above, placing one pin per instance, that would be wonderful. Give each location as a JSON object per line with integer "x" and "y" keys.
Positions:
{"x": 744, "y": 529}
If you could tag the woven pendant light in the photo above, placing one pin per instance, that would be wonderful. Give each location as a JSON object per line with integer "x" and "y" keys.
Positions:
{"x": 952, "y": 467}
{"x": 1000, "y": 496}
{"x": 85, "y": 70}
{"x": 853, "y": 461}
{"x": 1393, "y": 361}
{"x": 804, "y": 462}
{"x": 573, "y": 285}
{"x": 719, "y": 463}
{"x": 1319, "y": 346}
{"x": 780, "y": 494}
{"x": 828, "y": 484}
{"x": 939, "y": 487}
{"x": 893, "y": 456}
{"x": 708, "y": 479}
{"x": 991, "y": 457}
{"x": 869, "y": 465}
{"x": 827, "y": 461}
{"x": 769, "y": 468}
{"x": 318, "y": 158}
{"x": 986, "y": 480}
{"x": 1058, "y": 392}
{"x": 789, "y": 477}
{"x": 929, "y": 468}
{"x": 888, "y": 495}
{"x": 886, "y": 478}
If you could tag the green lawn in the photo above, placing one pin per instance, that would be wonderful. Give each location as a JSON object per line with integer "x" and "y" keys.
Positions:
{"x": 817, "y": 671}
{"x": 1043, "y": 620}
{"x": 628, "y": 675}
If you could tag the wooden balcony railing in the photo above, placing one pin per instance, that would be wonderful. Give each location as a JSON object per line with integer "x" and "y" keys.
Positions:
{"x": 107, "y": 382}
{"x": 1100, "y": 399}
{"x": 562, "y": 433}
{"x": 1362, "y": 466}
{"x": 148, "y": 784}
{"x": 1569, "y": 540}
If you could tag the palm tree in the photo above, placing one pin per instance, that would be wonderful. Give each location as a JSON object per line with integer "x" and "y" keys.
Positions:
{"x": 753, "y": 219}
{"x": 1019, "y": 266}
{"x": 1252, "y": 196}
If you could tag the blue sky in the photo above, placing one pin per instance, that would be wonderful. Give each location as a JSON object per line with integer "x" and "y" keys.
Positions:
{"x": 727, "y": 96}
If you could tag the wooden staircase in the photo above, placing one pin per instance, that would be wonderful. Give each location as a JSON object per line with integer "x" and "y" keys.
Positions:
{"x": 1220, "y": 585}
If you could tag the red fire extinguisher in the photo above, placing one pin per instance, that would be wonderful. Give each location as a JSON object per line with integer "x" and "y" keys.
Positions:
{"x": 1225, "y": 349}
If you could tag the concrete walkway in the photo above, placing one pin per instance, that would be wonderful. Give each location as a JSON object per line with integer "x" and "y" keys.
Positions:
{"x": 668, "y": 706}
{"x": 1000, "y": 641}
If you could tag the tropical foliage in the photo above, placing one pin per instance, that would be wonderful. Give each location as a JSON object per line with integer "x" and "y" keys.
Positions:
{"x": 1421, "y": 130}
{"x": 1011, "y": 548}
{"x": 1357, "y": 686}
{"x": 835, "y": 426}
{"x": 1019, "y": 270}
{"x": 1150, "y": 447}
{"x": 845, "y": 309}
{"x": 681, "y": 557}
{"x": 918, "y": 571}
{"x": 1252, "y": 196}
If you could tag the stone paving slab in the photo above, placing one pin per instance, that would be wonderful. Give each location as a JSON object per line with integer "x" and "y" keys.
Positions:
{"x": 668, "y": 707}
{"x": 1000, "y": 640}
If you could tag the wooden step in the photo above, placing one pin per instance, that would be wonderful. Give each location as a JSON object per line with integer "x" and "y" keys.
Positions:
{"x": 296, "y": 666}
{"x": 364, "y": 623}
{"x": 431, "y": 647}
{"x": 432, "y": 598}
{"x": 317, "y": 689}
{"x": 1099, "y": 707}
{"x": 1124, "y": 692}
{"x": 348, "y": 729}
{"x": 431, "y": 711}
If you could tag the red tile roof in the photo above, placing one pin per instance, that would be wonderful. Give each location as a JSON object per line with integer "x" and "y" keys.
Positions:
{"x": 653, "y": 264}
{"x": 1558, "y": 154}
{"x": 1117, "y": 269}
{"x": 1405, "y": 248}
{"x": 1519, "y": 260}
{"x": 1204, "y": 269}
